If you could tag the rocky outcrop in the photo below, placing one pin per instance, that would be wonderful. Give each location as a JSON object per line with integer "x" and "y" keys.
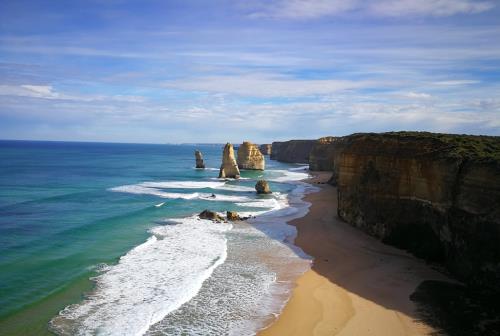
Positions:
{"x": 228, "y": 168}
{"x": 322, "y": 155}
{"x": 266, "y": 149}
{"x": 293, "y": 151}
{"x": 262, "y": 187}
{"x": 199, "y": 159}
{"x": 435, "y": 195}
{"x": 211, "y": 215}
{"x": 232, "y": 216}
{"x": 249, "y": 157}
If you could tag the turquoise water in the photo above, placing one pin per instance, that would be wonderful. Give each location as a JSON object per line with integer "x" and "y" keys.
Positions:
{"x": 70, "y": 210}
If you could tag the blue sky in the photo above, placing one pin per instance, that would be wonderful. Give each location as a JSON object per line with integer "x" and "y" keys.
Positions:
{"x": 233, "y": 70}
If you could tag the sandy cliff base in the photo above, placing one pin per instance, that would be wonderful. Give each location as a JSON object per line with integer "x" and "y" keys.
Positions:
{"x": 357, "y": 286}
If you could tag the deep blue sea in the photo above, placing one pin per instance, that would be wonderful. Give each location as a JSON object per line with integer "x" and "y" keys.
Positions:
{"x": 121, "y": 219}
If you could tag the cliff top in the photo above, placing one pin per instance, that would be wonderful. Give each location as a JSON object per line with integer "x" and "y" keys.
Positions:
{"x": 479, "y": 147}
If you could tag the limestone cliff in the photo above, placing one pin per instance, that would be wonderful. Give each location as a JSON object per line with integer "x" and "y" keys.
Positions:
{"x": 322, "y": 155}
{"x": 199, "y": 159}
{"x": 249, "y": 157}
{"x": 229, "y": 168}
{"x": 435, "y": 195}
{"x": 296, "y": 151}
{"x": 266, "y": 149}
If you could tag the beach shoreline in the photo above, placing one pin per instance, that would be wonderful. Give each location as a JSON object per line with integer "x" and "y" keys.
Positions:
{"x": 356, "y": 285}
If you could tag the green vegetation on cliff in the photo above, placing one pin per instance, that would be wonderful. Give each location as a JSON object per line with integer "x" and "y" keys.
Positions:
{"x": 480, "y": 147}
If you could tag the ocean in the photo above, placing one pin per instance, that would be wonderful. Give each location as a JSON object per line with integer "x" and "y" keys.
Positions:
{"x": 103, "y": 239}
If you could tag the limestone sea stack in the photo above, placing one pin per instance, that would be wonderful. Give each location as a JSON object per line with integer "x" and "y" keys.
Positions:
{"x": 265, "y": 149}
{"x": 262, "y": 187}
{"x": 199, "y": 159}
{"x": 229, "y": 167}
{"x": 250, "y": 157}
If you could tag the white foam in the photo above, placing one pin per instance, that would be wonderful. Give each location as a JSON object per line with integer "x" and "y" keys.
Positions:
{"x": 154, "y": 279}
{"x": 236, "y": 188}
{"x": 150, "y": 281}
{"x": 182, "y": 184}
{"x": 140, "y": 189}
{"x": 300, "y": 167}
{"x": 289, "y": 176}
{"x": 230, "y": 178}
{"x": 220, "y": 185}
{"x": 159, "y": 204}
{"x": 223, "y": 198}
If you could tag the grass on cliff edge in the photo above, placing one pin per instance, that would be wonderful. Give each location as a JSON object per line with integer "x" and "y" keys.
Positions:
{"x": 479, "y": 147}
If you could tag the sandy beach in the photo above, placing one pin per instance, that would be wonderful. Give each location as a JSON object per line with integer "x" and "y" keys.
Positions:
{"x": 357, "y": 285}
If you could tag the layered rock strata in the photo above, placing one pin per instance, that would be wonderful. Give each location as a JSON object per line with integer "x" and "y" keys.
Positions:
{"x": 435, "y": 195}
{"x": 249, "y": 157}
{"x": 322, "y": 155}
{"x": 229, "y": 167}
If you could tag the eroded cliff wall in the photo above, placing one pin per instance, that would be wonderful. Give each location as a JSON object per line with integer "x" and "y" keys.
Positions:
{"x": 293, "y": 151}
{"x": 323, "y": 154}
{"x": 435, "y": 195}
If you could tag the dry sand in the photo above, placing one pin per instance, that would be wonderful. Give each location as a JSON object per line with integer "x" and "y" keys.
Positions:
{"x": 357, "y": 285}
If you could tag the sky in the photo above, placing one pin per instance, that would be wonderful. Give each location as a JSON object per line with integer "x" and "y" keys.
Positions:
{"x": 232, "y": 70}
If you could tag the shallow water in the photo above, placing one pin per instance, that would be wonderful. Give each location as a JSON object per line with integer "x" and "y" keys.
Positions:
{"x": 123, "y": 215}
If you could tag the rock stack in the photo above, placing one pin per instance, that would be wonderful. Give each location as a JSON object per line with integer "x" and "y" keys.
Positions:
{"x": 262, "y": 187}
{"x": 229, "y": 168}
{"x": 249, "y": 157}
{"x": 199, "y": 159}
{"x": 265, "y": 149}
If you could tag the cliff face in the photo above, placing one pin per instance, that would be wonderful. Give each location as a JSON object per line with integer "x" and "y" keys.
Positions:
{"x": 437, "y": 196}
{"x": 249, "y": 157}
{"x": 294, "y": 151}
{"x": 266, "y": 149}
{"x": 322, "y": 155}
{"x": 228, "y": 168}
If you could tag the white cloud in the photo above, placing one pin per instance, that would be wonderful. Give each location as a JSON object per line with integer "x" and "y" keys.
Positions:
{"x": 48, "y": 92}
{"x": 36, "y": 91}
{"x": 458, "y": 82}
{"x": 416, "y": 95}
{"x": 264, "y": 85}
{"x": 428, "y": 7}
{"x": 305, "y": 9}
{"x": 310, "y": 9}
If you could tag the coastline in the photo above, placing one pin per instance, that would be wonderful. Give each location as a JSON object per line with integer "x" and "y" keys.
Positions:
{"x": 273, "y": 255}
{"x": 357, "y": 285}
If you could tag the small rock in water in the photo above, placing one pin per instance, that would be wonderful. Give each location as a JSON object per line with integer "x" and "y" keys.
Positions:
{"x": 262, "y": 187}
{"x": 211, "y": 215}
{"x": 232, "y": 216}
